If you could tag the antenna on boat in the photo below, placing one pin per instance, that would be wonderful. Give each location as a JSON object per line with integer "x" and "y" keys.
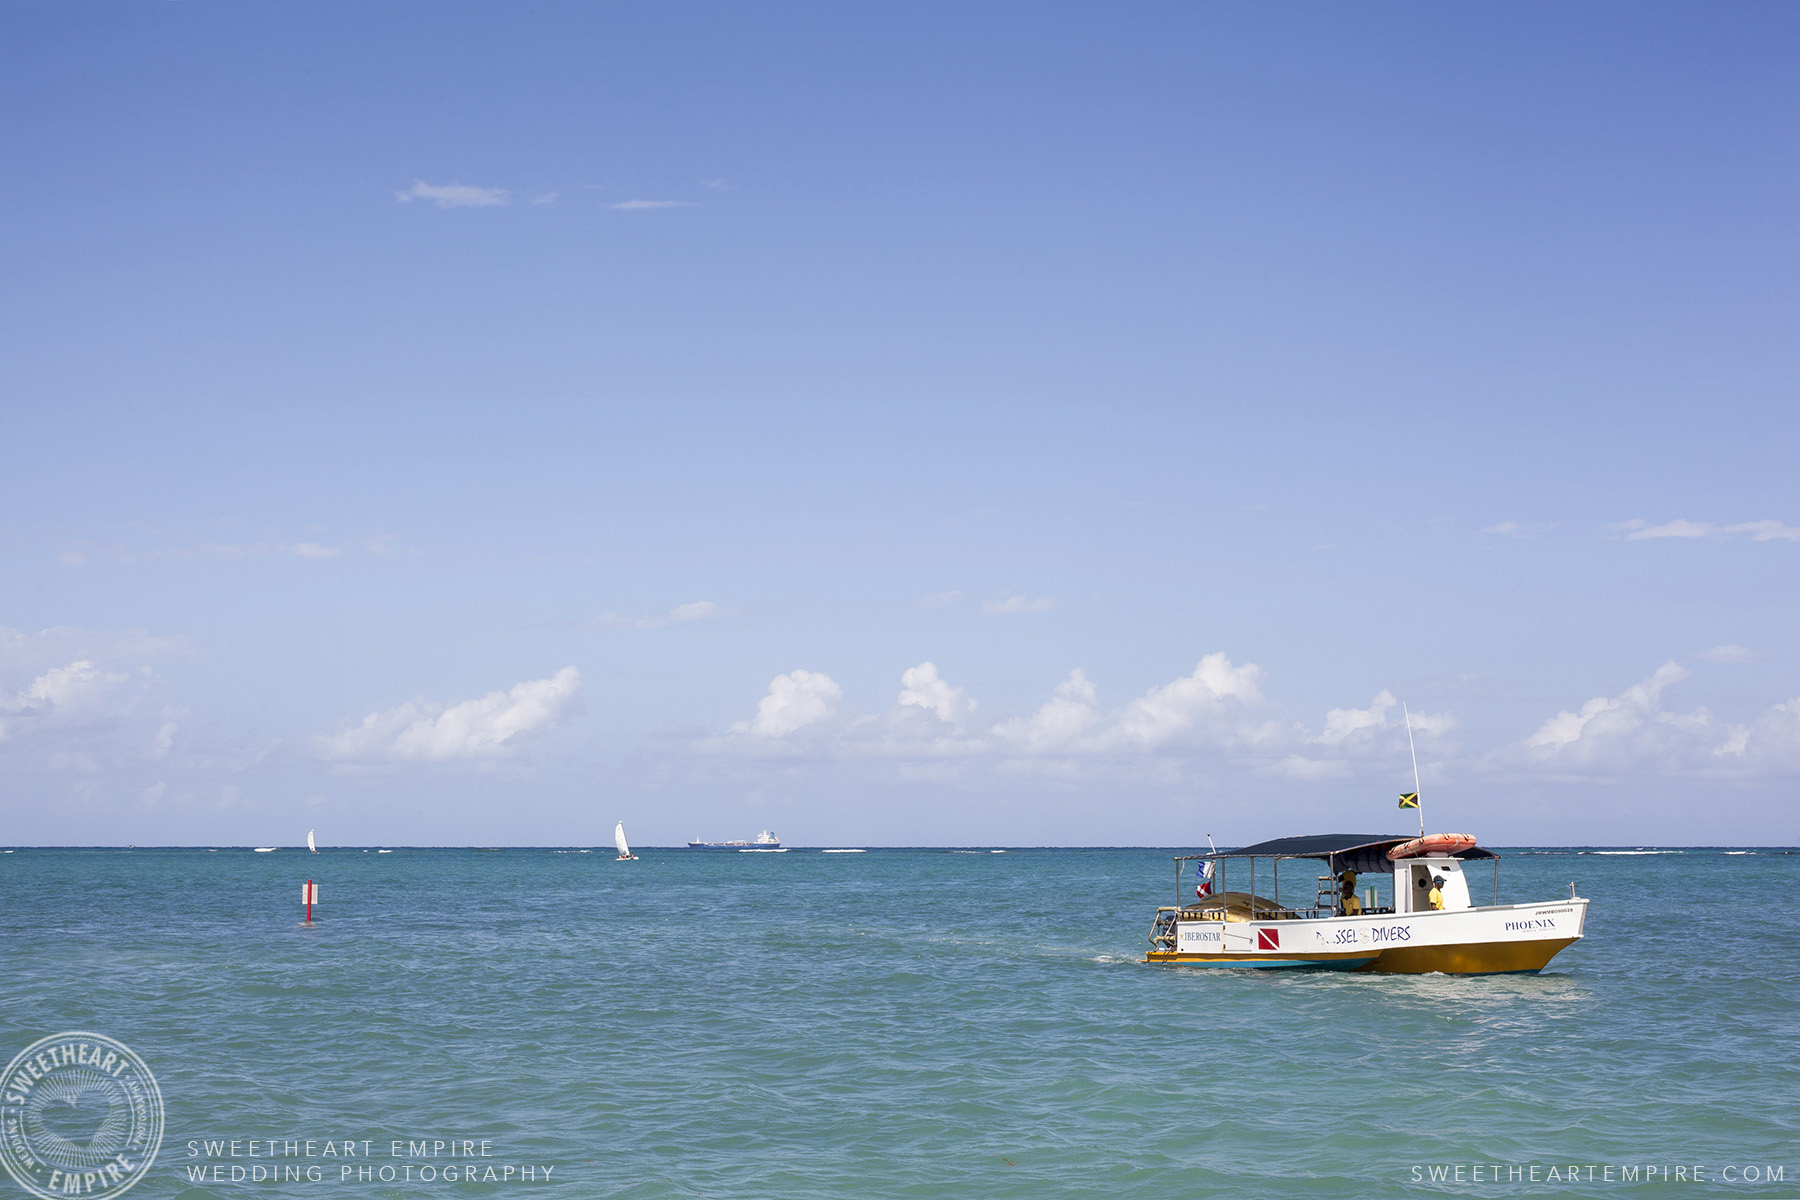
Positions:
{"x": 1415, "y": 761}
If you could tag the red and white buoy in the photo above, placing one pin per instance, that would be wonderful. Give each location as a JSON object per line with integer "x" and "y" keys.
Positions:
{"x": 309, "y": 896}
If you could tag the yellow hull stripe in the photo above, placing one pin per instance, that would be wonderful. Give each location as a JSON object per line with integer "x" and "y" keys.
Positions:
{"x": 1467, "y": 958}
{"x": 1261, "y": 956}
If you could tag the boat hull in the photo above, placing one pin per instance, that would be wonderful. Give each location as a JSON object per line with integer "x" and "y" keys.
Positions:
{"x": 1491, "y": 940}
{"x": 1471, "y": 958}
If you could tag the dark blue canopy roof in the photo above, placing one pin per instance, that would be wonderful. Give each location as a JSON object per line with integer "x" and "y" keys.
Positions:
{"x": 1323, "y": 845}
{"x": 1358, "y": 852}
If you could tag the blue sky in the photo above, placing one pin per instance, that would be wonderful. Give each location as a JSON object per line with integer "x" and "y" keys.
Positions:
{"x": 480, "y": 424}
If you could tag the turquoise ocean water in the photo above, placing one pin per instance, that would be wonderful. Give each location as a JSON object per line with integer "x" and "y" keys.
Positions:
{"x": 918, "y": 1023}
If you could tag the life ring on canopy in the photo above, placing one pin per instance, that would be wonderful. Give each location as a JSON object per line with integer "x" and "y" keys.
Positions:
{"x": 1431, "y": 843}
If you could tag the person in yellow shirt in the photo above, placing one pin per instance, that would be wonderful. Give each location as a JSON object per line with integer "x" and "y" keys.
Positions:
{"x": 1437, "y": 893}
{"x": 1350, "y": 905}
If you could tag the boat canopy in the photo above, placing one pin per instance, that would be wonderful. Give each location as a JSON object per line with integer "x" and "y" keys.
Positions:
{"x": 1359, "y": 852}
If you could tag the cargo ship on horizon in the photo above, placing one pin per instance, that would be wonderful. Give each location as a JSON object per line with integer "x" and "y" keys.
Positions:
{"x": 765, "y": 842}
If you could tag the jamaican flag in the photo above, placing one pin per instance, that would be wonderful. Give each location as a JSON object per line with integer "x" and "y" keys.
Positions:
{"x": 1410, "y": 800}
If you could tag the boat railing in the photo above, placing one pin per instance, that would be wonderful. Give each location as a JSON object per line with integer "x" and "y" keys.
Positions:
{"x": 1162, "y": 932}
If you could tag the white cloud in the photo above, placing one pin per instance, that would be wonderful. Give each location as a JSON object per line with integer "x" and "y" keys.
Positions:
{"x": 1603, "y": 718}
{"x": 1210, "y": 703}
{"x": 77, "y": 694}
{"x": 1015, "y": 604}
{"x": 1072, "y": 711}
{"x": 78, "y": 685}
{"x": 1758, "y": 531}
{"x": 310, "y": 550}
{"x": 1503, "y": 528}
{"x": 1354, "y": 726}
{"x": 1678, "y": 528}
{"x": 546, "y": 198}
{"x": 425, "y": 731}
{"x": 453, "y": 195}
{"x": 794, "y": 701}
{"x": 1210, "y": 714}
{"x": 1774, "y": 736}
{"x": 1342, "y": 724}
{"x": 921, "y": 687}
{"x": 1636, "y": 732}
{"x": 644, "y": 205}
{"x": 681, "y": 614}
{"x": 61, "y": 644}
{"x": 1213, "y": 722}
{"x": 164, "y": 741}
{"x": 1766, "y": 531}
{"x": 1729, "y": 654}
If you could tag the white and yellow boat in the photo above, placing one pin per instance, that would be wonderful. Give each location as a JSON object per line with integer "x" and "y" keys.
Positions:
{"x": 1349, "y": 928}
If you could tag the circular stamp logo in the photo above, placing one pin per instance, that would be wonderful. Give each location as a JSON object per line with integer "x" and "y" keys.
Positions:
{"x": 80, "y": 1114}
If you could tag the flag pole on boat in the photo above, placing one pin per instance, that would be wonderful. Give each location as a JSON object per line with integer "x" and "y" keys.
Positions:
{"x": 1412, "y": 801}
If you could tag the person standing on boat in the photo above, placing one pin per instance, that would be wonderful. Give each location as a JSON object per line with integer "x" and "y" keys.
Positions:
{"x": 1436, "y": 897}
{"x": 1348, "y": 904}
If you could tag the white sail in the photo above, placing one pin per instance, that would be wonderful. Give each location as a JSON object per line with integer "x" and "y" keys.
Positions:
{"x": 310, "y": 844}
{"x": 619, "y": 840}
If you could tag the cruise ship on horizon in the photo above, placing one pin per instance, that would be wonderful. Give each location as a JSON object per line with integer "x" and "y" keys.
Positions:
{"x": 765, "y": 841}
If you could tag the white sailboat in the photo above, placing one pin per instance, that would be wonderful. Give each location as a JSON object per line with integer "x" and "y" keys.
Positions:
{"x": 310, "y": 844}
{"x": 625, "y": 854}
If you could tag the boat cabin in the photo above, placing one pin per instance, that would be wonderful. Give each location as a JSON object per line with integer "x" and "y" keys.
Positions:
{"x": 1413, "y": 878}
{"x": 1228, "y": 888}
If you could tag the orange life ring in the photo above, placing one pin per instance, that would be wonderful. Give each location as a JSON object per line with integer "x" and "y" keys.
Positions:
{"x": 1431, "y": 843}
